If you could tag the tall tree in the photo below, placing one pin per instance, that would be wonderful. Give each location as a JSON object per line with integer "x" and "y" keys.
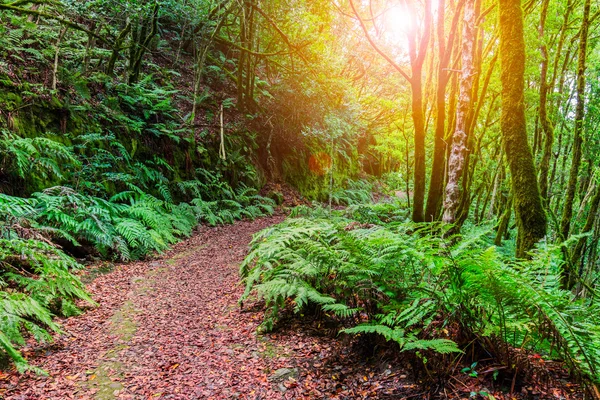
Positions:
{"x": 458, "y": 153}
{"x": 530, "y": 216}
{"x": 418, "y": 42}
{"x": 565, "y": 223}
{"x": 417, "y": 50}
{"x": 543, "y": 109}
{"x": 438, "y": 175}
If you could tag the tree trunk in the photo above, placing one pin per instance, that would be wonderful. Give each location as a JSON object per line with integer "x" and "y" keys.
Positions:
{"x": 458, "y": 153}
{"x": 570, "y": 272}
{"x": 417, "y": 59}
{"x": 565, "y": 223}
{"x": 438, "y": 168}
{"x": 419, "y": 150}
{"x": 577, "y": 254}
{"x": 436, "y": 181}
{"x": 543, "y": 109}
{"x": 56, "y": 54}
{"x": 91, "y": 43}
{"x": 503, "y": 224}
{"x": 110, "y": 68}
{"x": 529, "y": 214}
{"x": 242, "y": 57}
{"x": 499, "y": 177}
{"x": 141, "y": 39}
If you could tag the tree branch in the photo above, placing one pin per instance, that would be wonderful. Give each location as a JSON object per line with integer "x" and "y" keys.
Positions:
{"x": 63, "y": 21}
{"x": 254, "y": 53}
{"x": 377, "y": 49}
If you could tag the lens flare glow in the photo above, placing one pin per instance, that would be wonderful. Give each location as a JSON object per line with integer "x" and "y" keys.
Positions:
{"x": 397, "y": 22}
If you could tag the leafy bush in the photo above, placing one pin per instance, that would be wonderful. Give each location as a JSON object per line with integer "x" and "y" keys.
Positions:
{"x": 40, "y": 157}
{"x": 410, "y": 284}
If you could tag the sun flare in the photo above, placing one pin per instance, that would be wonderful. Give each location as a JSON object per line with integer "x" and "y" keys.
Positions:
{"x": 397, "y": 21}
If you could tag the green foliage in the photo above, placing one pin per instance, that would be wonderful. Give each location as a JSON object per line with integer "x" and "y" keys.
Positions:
{"x": 130, "y": 224}
{"x": 409, "y": 283}
{"x": 355, "y": 192}
{"x": 233, "y": 205}
{"x": 35, "y": 279}
{"x": 40, "y": 156}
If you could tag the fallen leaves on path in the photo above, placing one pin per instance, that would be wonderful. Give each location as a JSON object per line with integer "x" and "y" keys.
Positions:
{"x": 171, "y": 328}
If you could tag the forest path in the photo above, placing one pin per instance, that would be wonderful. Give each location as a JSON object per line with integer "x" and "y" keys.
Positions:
{"x": 171, "y": 328}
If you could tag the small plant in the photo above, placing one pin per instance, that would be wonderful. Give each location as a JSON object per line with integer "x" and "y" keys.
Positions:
{"x": 470, "y": 370}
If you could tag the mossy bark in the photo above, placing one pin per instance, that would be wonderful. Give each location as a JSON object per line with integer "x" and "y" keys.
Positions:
{"x": 545, "y": 122}
{"x": 438, "y": 168}
{"x": 529, "y": 214}
{"x": 565, "y": 223}
{"x": 417, "y": 52}
{"x": 570, "y": 270}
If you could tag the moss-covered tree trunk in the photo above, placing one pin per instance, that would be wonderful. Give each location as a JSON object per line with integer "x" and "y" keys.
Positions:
{"x": 529, "y": 214}
{"x": 437, "y": 177}
{"x": 543, "y": 109}
{"x": 244, "y": 19}
{"x": 565, "y": 223}
{"x": 578, "y": 251}
{"x": 141, "y": 36}
{"x": 417, "y": 52}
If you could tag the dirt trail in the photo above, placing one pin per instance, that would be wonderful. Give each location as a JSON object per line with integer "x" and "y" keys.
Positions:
{"x": 171, "y": 328}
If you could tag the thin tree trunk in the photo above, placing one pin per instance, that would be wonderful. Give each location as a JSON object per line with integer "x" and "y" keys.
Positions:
{"x": 407, "y": 165}
{"x": 458, "y": 153}
{"x": 504, "y": 220}
{"x": 141, "y": 42}
{"x": 201, "y": 56}
{"x": 56, "y": 54}
{"x": 545, "y": 123}
{"x": 497, "y": 182}
{"x": 110, "y": 67}
{"x": 577, "y": 254}
{"x": 417, "y": 58}
{"x": 419, "y": 149}
{"x": 565, "y": 223}
{"x": 91, "y": 42}
{"x": 438, "y": 168}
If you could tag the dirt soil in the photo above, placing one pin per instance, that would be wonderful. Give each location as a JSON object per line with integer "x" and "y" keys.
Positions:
{"x": 172, "y": 328}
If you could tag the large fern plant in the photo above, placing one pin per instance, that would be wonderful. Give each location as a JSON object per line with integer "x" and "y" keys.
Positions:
{"x": 409, "y": 283}
{"x": 35, "y": 283}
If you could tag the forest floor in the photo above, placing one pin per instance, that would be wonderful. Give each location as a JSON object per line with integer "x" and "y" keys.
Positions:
{"x": 172, "y": 328}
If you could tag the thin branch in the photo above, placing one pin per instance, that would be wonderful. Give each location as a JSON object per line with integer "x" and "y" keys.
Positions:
{"x": 377, "y": 49}
{"x": 50, "y": 16}
{"x": 254, "y": 53}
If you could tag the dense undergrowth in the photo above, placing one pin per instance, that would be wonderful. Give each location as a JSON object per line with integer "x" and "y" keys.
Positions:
{"x": 378, "y": 273}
